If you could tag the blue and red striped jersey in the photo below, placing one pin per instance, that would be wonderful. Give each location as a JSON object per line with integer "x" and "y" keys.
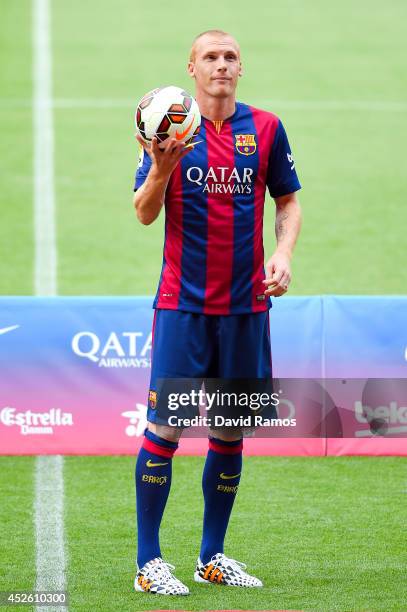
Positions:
{"x": 213, "y": 260}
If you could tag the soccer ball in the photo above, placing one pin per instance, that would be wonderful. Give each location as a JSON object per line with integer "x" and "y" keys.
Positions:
{"x": 168, "y": 112}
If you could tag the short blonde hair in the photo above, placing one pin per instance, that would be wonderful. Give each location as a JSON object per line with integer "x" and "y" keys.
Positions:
{"x": 210, "y": 32}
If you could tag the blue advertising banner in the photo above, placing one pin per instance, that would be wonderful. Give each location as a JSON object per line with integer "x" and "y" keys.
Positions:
{"x": 74, "y": 372}
{"x": 365, "y": 336}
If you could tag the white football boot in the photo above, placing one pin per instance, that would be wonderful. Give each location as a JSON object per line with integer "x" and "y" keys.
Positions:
{"x": 222, "y": 570}
{"x": 156, "y": 577}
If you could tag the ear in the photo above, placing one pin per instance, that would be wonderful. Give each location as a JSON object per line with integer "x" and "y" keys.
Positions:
{"x": 240, "y": 70}
{"x": 191, "y": 69}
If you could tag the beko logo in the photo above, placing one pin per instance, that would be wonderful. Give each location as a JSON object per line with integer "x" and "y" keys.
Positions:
{"x": 390, "y": 418}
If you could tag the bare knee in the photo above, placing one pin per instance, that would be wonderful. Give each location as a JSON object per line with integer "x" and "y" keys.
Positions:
{"x": 172, "y": 434}
{"x": 227, "y": 434}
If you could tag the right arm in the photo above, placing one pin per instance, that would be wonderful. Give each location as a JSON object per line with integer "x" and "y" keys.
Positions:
{"x": 149, "y": 198}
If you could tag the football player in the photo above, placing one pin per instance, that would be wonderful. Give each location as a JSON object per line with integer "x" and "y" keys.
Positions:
{"x": 212, "y": 304}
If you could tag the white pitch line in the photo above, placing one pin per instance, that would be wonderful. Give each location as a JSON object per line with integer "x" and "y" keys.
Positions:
{"x": 45, "y": 276}
{"x": 49, "y": 528}
{"x": 311, "y": 105}
{"x": 336, "y": 105}
{"x": 49, "y": 481}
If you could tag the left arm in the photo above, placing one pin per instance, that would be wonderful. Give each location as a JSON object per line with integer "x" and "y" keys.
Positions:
{"x": 288, "y": 225}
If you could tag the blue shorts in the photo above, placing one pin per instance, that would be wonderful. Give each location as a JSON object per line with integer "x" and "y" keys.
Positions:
{"x": 192, "y": 345}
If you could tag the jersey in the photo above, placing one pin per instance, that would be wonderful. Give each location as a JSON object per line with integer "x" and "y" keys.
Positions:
{"x": 213, "y": 259}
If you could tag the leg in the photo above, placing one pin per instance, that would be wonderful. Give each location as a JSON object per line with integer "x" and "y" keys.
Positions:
{"x": 153, "y": 483}
{"x": 220, "y": 481}
{"x": 180, "y": 350}
{"x": 244, "y": 350}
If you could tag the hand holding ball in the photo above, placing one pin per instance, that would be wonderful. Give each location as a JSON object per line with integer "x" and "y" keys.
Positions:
{"x": 168, "y": 112}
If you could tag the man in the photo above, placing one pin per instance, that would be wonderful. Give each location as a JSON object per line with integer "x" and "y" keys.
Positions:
{"x": 213, "y": 295}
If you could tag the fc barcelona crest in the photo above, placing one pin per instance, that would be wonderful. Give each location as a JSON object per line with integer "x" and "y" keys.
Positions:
{"x": 246, "y": 144}
{"x": 152, "y": 399}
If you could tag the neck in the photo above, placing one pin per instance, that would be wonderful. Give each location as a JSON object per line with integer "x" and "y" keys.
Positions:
{"x": 216, "y": 109}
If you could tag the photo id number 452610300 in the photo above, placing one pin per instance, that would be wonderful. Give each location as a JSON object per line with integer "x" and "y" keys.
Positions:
{"x": 29, "y": 598}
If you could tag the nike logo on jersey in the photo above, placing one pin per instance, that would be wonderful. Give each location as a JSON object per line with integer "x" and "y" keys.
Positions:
{"x": 181, "y": 135}
{"x": 149, "y": 463}
{"x": 226, "y": 477}
{"x": 4, "y": 330}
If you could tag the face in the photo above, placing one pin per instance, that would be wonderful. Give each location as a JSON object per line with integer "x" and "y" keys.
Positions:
{"x": 215, "y": 65}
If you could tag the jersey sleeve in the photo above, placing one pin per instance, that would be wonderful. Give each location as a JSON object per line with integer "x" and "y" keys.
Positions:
{"x": 143, "y": 167}
{"x": 281, "y": 175}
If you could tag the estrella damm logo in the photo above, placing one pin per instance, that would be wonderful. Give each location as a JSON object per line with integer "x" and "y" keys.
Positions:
{"x": 246, "y": 144}
{"x": 152, "y": 399}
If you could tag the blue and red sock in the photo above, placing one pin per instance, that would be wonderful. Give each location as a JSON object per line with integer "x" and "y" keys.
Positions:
{"x": 153, "y": 483}
{"x": 220, "y": 481}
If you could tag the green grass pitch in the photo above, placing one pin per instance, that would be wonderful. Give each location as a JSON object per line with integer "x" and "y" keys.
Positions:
{"x": 334, "y": 72}
{"x": 324, "y": 534}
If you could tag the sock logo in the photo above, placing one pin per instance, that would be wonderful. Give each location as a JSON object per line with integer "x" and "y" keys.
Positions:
{"x": 149, "y": 463}
{"x": 227, "y": 489}
{"x": 226, "y": 477}
{"x": 160, "y": 480}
